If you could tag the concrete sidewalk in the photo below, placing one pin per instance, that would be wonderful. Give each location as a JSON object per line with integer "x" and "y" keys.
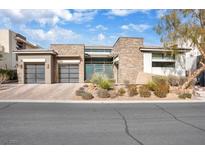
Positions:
{"x": 100, "y": 102}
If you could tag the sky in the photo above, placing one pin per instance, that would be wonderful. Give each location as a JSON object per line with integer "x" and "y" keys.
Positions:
{"x": 89, "y": 27}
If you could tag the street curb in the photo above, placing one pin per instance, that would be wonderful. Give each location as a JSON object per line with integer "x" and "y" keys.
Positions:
{"x": 101, "y": 102}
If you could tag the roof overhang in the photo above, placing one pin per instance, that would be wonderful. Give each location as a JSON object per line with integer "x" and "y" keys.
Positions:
{"x": 69, "y": 61}
{"x": 98, "y": 54}
{"x": 161, "y": 49}
{"x": 35, "y": 51}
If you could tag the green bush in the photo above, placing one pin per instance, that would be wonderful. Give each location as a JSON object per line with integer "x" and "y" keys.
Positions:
{"x": 8, "y": 74}
{"x": 185, "y": 95}
{"x": 151, "y": 85}
{"x": 103, "y": 93}
{"x": 132, "y": 90}
{"x": 144, "y": 91}
{"x": 97, "y": 78}
{"x": 101, "y": 81}
{"x": 105, "y": 84}
{"x": 121, "y": 92}
{"x": 87, "y": 95}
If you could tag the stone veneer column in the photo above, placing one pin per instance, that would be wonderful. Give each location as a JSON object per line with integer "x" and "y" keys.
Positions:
{"x": 130, "y": 58}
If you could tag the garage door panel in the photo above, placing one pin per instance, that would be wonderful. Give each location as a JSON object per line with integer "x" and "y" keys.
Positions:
{"x": 74, "y": 75}
{"x": 64, "y": 76}
{"x": 69, "y": 73}
{"x": 74, "y": 80}
{"x": 64, "y": 70}
{"x": 34, "y": 73}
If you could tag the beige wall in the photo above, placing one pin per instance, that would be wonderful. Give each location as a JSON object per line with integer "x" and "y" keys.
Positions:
{"x": 49, "y": 73}
{"x": 5, "y": 38}
{"x": 130, "y": 59}
{"x": 71, "y": 52}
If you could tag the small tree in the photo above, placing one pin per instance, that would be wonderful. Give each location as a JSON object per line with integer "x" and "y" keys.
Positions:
{"x": 184, "y": 27}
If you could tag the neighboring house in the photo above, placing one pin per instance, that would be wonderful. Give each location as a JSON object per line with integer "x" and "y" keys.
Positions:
{"x": 73, "y": 63}
{"x": 10, "y": 41}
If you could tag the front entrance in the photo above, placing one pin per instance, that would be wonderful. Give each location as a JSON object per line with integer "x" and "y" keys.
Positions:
{"x": 34, "y": 73}
{"x": 68, "y": 73}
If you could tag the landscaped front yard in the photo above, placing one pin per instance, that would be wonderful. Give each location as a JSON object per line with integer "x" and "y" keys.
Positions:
{"x": 159, "y": 88}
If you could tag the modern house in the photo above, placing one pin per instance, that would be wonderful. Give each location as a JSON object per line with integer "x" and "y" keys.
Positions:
{"x": 10, "y": 41}
{"x": 73, "y": 63}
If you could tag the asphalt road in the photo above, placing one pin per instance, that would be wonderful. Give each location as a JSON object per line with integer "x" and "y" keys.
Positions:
{"x": 55, "y": 123}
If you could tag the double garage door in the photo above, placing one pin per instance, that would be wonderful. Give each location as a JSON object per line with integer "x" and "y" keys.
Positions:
{"x": 34, "y": 73}
{"x": 68, "y": 73}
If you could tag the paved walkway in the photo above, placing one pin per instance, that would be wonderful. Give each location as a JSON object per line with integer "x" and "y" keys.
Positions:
{"x": 41, "y": 91}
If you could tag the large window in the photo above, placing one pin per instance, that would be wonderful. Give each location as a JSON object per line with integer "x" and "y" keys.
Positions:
{"x": 98, "y": 65}
{"x": 163, "y": 64}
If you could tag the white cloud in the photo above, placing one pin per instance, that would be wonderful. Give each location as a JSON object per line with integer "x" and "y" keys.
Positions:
{"x": 124, "y": 12}
{"x": 98, "y": 27}
{"x": 46, "y": 16}
{"x": 101, "y": 37}
{"x": 53, "y": 35}
{"x": 136, "y": 27}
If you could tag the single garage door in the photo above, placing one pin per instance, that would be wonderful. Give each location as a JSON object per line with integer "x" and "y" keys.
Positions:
{"x": 34, "y": 73}
{"x": 68, "y": 73}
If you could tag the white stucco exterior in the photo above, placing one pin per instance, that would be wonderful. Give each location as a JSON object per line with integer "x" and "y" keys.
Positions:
{"x": 178, "y": 70}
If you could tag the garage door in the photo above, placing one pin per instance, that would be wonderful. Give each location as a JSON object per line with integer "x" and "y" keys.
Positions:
{"x": 34, "y": 73}
{"x": 68, "y": 73}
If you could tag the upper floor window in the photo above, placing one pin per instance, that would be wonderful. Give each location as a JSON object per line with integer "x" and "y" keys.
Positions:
{"x": 97, "y": 50}
{"x": 165, "y": 56}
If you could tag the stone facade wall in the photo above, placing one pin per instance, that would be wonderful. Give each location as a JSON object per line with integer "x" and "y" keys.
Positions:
{"x": 70, "y": 50}
{"x": 130, "y": 58}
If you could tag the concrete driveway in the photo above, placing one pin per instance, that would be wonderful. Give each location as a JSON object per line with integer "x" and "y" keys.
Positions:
{"x": 58, "y": 91}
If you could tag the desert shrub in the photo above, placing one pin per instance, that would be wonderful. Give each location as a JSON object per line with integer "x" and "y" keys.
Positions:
{"x": 103, "y": 93}
{"x": 159, "y": 92}
{"x": 144, "y": 91}
{"x": 185, "y": 95}
{"x": 105, "y": 84}
{"x": 151, "y": 85}
{"x": 97, "y": 78}
{"x": 7, "y": 75}
{"x": 101, "y": 81}
{"x": 132, "y": 90}
{"x": 87, "y": 81}
{"x": 173, "y": 80}
{"x": 121, "y": 91}
{"x": 87, "y": 95}
{"x": 159, "y": 79}
{"x": 79, "y": 92}
{"x": 113, "y": 94}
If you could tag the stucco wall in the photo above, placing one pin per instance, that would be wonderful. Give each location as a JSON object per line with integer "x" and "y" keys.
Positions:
{"x": 4, "y": 41}
{"x": 48, "y": 67}
{"x": 70, "y": 51}
{"x": 179, "y": 70}
{"x": 130, "y": 58}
